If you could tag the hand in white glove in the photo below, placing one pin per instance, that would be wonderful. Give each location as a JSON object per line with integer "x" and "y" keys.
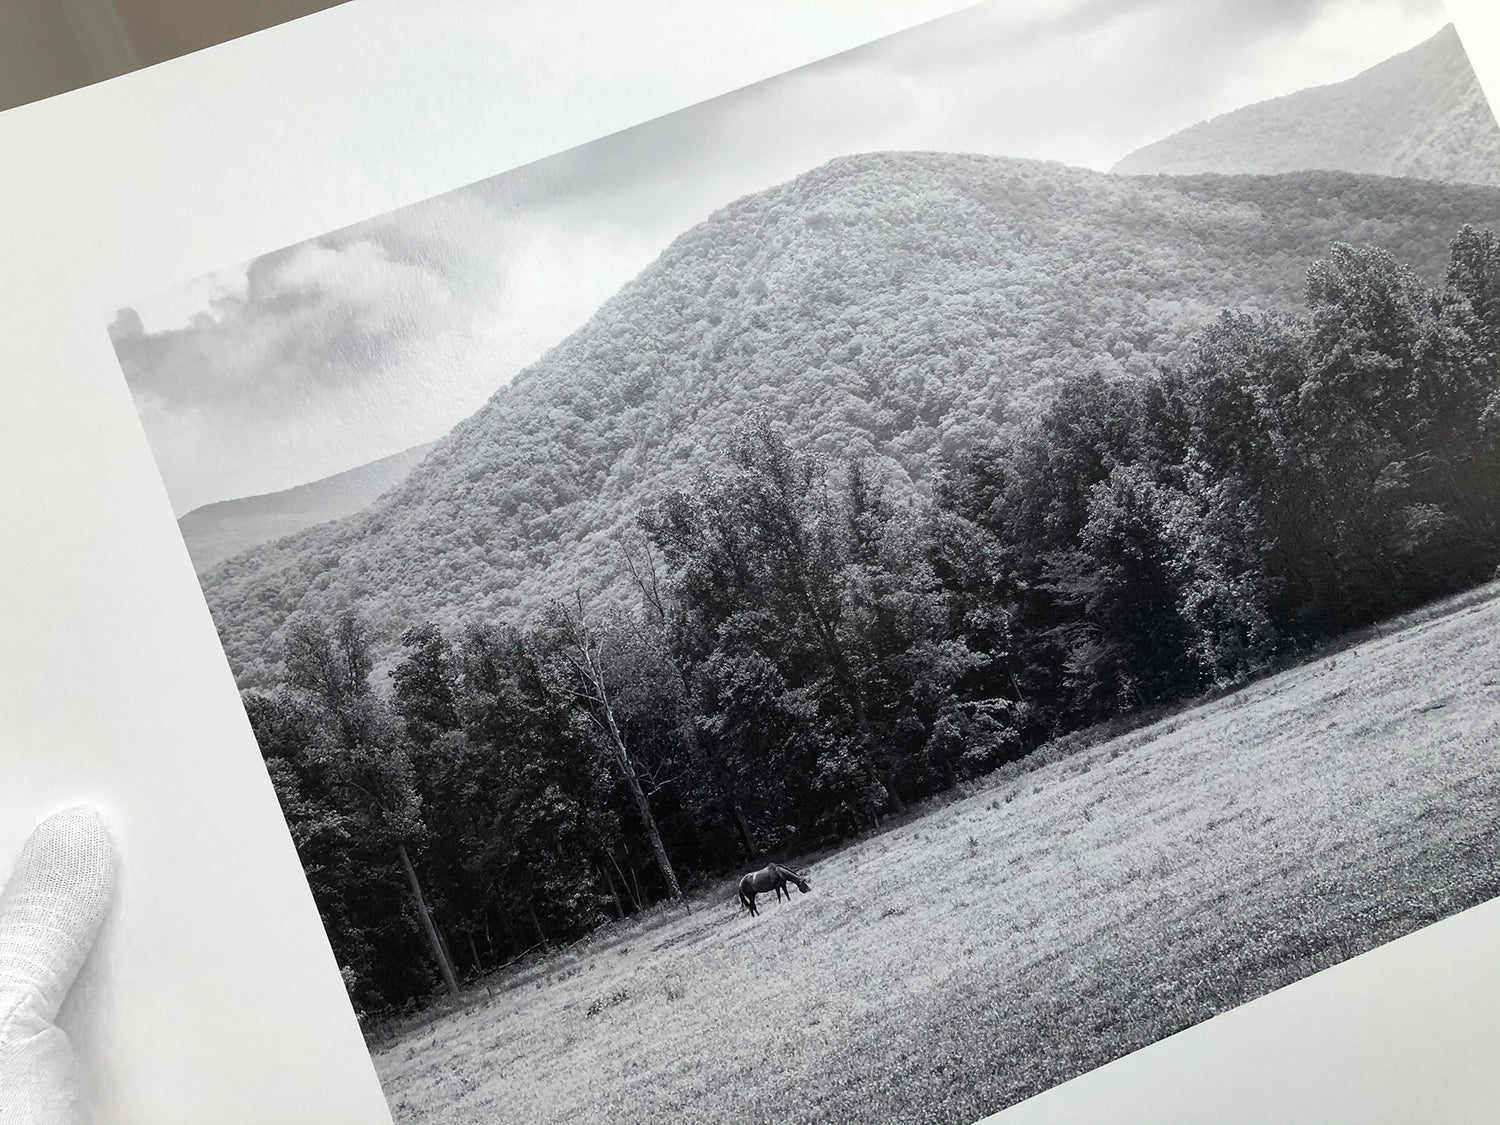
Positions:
{"x": 50, "y": 912}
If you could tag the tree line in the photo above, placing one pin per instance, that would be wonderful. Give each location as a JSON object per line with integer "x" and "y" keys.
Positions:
{"x": 816, "y": 643}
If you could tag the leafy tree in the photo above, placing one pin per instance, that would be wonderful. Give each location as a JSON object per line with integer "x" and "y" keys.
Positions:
{"x": 761, "y": 554}
{"x": 538, "y": 796}
{"x": 354, "y": 880}
{"x": 422, "y": 685}
{"x": 360, "y": 747}
{"x": 1127, "y": 644}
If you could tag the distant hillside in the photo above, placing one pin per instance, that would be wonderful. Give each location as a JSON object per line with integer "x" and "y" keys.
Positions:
{"x": 897, "y": 305}
{"x": 219, "y": 531}
{"x": 1421, "y": 113}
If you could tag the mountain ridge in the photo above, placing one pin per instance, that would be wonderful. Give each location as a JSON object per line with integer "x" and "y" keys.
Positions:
{"x": 1420, "y": 113}
{"x": 899, "y": 306}
{"x": 225, "y": 528}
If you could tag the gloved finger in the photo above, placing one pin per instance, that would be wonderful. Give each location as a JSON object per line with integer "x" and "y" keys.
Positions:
{"x": 50, "y": 913}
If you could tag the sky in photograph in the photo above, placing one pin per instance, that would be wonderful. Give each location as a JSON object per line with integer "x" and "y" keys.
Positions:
{"x": 323, "y": 356}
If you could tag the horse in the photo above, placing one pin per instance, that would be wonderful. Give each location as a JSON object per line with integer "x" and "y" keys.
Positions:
{"x": 774, "y": 877}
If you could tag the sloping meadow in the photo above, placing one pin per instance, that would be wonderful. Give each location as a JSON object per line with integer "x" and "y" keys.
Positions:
{"x": 1030, "y": 932}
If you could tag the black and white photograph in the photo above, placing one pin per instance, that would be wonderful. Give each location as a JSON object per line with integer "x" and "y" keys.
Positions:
{"x": 879, "y": 593}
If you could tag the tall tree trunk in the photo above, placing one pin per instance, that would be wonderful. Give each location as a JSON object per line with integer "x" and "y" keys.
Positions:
{"x": 474, "y": 952}
{"x": 434, "y": 942}
{"x": 624, "y": 882}
{"x": 743, "y": 824}
{"x": 516, "y": 942}
{"x": 643, "y": 807}
{"x": 536, "y": 923}
{"x": 635, "y": 881}
{"x": 638, "y": 794}
{"x": 614, "y": 891}
{"x": 590, "y": 668}
{"x": 447, "y": 948}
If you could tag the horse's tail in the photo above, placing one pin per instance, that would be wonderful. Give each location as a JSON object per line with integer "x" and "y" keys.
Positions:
{"x": 745, "y": 900}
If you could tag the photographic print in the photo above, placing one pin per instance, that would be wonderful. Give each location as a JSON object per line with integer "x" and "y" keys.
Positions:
{"x": 876, "y": 594}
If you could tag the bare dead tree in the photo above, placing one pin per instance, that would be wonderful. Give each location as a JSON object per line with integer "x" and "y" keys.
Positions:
{"x": 640, "y": 560}
{"x": 585, "y": 654}
{"x": 429, "y": 928}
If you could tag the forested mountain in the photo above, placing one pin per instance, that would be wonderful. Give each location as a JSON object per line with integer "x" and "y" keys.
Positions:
{"x": 219, "y": 531}
{"x": 1421, "y": 113}
{"x": 901, "y": 306}
{"x": 809, "y": 650}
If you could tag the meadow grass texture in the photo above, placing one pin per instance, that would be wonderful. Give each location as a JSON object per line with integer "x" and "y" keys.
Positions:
{"x": 1055, "y": 920}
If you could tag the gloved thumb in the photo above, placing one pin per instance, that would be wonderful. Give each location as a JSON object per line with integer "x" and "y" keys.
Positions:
{"x": 50, "y": 913}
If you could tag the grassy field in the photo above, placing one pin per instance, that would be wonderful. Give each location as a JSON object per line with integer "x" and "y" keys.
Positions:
{"x": 1031, "y": 931}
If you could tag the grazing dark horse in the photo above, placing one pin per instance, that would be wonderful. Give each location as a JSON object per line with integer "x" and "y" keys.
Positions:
{"x": 773, "y": 878}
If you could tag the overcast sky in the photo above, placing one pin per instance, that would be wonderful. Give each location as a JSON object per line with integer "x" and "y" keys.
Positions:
{"x": 381, "y": 336}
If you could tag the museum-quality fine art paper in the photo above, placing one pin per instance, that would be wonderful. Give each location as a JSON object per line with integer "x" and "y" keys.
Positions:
{"x": 876, "y": 594}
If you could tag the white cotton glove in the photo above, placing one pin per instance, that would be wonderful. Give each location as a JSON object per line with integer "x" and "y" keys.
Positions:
{"x": 50, "y": 912}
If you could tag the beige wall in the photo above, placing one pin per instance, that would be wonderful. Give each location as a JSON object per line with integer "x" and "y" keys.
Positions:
{"x": 164, "y": 29}
{"x": 40, "y": 54}
{"x": 51, "y": 46}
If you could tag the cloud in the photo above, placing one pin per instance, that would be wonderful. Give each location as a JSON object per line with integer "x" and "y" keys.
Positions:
{"x": 310, "y": 320}
{"x": 316, "y": 332}
{"x": 360, "y": 343}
